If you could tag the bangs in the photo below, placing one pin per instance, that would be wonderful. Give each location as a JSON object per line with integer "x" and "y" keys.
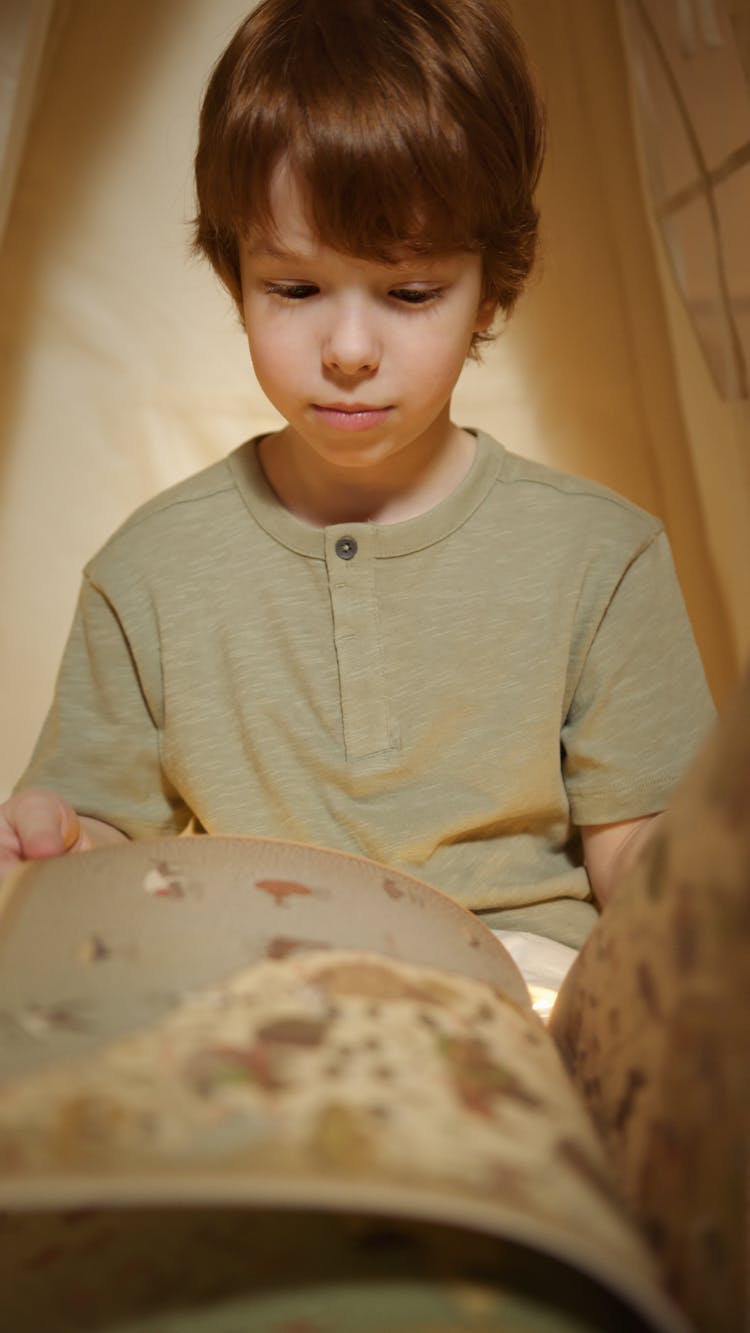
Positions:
{"x": 405, "y": 127}
{"x": 356, "y": 122}
{"x": 372, "y": 202}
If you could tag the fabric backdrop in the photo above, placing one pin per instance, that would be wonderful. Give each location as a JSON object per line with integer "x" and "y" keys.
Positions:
{"x": 123, "y": 367}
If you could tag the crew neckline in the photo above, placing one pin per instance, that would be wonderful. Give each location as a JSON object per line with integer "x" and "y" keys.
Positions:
{"x": 386, "y": 539}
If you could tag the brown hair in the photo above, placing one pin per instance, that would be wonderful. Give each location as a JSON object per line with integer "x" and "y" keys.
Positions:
{"x": 409, "y": 123}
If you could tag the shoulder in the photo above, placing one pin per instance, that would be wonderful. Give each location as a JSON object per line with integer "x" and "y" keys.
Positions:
{"x": 569, "y": 498}
{"x": 201, "y": 490}
{"x": 548, "y": 514}
{"x": 184, "y": 523}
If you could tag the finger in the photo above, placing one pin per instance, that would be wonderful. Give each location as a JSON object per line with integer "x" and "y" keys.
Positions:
{"x": 75, "y": 837}
{"x": 84, "y": 841}
{"x": 45, "y": 824}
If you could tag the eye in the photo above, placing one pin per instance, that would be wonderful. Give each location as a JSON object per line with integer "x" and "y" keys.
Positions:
{"x": 416, "y": 295}
{"x": 291, "y": 291}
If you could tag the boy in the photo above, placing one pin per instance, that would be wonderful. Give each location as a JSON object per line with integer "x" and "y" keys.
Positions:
{"x": 376, "y": 630}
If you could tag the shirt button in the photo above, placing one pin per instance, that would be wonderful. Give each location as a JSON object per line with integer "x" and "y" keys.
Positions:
{"x": 346, "y": 548}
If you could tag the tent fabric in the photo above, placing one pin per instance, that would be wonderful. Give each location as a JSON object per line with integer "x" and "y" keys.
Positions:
{"x": 123, "y": 367}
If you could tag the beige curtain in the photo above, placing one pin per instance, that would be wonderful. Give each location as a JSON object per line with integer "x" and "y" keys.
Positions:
{"x": 123, "y": 367}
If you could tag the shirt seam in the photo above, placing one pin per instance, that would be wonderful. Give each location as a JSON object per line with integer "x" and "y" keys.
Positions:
{"x": 655, "y": 782}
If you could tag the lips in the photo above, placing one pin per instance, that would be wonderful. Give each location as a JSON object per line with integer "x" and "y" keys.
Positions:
{"x": 351, "y": 416}
{"x": 350, "y": 407}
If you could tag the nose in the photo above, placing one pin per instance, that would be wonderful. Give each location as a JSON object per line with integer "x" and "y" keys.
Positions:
{"x": 351, "y": 343}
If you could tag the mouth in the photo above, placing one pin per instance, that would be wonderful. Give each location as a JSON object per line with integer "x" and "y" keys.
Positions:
{"x": 351, "y": 416}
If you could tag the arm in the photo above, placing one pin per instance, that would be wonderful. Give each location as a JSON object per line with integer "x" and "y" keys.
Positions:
{"x": 99, "y": 748}
{"x": 640, "y": 708}
{"x": 609, "y": 850}
{"x": 36, "y": 824}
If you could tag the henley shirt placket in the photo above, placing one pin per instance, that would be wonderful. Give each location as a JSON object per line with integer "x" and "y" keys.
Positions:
{"x": 351, "y": 564}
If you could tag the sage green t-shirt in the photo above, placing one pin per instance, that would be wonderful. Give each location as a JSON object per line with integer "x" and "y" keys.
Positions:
{"x": 452, "y": 695}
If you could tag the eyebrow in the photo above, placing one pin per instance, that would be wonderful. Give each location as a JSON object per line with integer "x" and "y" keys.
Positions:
{"x": 266, "y": 251}
{"x": 405, "y": 262}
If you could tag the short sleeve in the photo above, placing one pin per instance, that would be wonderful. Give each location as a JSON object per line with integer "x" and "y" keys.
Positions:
{"x": 99, "y": 747}
{"x": 640, "y": 706}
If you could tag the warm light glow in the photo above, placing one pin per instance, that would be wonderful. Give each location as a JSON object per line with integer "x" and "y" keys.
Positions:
{"x": 542, "y": 1000}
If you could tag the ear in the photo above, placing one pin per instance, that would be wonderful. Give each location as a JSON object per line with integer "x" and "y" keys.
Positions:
{"x": 485, "y": 315}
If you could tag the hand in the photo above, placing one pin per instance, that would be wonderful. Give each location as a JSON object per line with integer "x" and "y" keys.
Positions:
{"x": 609, "y": 850}
{"x": 36, "y": 824}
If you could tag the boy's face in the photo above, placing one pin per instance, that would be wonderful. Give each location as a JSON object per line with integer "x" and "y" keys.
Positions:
{"x": 359, "y": 357}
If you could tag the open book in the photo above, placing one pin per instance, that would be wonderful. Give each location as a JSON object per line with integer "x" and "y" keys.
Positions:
{"x": 232, "y": 1067}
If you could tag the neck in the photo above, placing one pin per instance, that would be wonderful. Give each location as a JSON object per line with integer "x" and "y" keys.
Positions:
{"x": 403, "y": 487}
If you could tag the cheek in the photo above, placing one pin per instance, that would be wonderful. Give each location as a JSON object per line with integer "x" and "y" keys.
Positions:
{"x": 272, "y": 352}
{"x": 440, "y": 361}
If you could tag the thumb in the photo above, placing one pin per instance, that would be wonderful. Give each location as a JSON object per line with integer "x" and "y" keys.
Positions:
{"x": 47, "y": 826}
